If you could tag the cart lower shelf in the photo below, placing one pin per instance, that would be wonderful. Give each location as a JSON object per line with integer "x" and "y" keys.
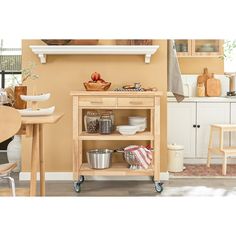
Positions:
{"x": 117, "y": 169}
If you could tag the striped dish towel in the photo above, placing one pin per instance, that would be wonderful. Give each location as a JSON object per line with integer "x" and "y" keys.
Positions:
{"x": 142, "y": 155}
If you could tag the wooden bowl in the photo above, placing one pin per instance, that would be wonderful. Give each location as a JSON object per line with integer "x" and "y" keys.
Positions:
{"x": 56, "y": 41}
{"x": 141, "y": 42}
{"x": 97, "y": 86}
{"x": 123, "y": 42}
{"x": 84, "y": 42}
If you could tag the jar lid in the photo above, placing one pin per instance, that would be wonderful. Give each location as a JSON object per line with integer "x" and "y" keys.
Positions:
{"x": 174, "y": 146}
{"x": 92, "y": 113}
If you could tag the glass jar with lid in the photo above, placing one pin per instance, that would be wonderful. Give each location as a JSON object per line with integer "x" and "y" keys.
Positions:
{"x": 91, "y": 121}
{"x": 105, "y": 124}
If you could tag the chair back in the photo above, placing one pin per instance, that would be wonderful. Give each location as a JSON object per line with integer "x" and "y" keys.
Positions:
{"x": 10, "y": 122}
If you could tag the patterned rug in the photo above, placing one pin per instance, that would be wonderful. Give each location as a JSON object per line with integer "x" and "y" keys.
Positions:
{"x": 203, "y": 170}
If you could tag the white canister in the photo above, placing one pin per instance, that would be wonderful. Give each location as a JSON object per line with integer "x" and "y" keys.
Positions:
{"x": 14, "y": 152}
{"x": 175, "y": 158}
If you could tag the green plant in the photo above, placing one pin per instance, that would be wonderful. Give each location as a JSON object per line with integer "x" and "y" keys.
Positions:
{"x": 229, "y": 46}
{"x": 28, "y": 72}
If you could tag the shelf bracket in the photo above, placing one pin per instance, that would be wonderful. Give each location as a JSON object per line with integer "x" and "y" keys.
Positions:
{"x": 147, "y": 58}
{"x": 42, "y": 58}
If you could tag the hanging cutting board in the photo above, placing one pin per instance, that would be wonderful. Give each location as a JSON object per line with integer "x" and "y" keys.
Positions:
{"x": 213, "y": 87}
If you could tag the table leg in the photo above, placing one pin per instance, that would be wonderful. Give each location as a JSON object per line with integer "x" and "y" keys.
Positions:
{"x": 41, "y": 160}
{"x": 34, "y": 160}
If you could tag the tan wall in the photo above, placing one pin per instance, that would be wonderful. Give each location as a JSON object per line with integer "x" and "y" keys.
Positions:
{"x": 64, "y": 73}
{"x": 195, "y": 65}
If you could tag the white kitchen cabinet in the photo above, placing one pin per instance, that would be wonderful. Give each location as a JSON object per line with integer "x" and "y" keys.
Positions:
{"x": 233, "y": 121}
{"x": 207, "y": 114}
{"x": 180, "y": 121}
{"x": 189, "y": 125}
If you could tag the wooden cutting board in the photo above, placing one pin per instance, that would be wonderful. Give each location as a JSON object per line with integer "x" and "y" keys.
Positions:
{"x": 213, "y": 87}
{"x": 201, "y": 81}
{"x": 203, "y": 77}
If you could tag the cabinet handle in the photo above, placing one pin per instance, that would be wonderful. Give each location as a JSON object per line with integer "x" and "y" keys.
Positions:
{"x": 198, "y": 126}
{"x": 194, "y": 126}
{"x": 136, "y": 103}
{"x": 96, "y": 102}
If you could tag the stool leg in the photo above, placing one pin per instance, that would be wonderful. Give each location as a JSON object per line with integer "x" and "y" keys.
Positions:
{"x": 224, "y": 165}
{"x": 12, "y": 182}
{"x": 209, "y": 147}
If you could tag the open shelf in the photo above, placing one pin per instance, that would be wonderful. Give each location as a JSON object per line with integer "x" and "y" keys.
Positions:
{"x": 117, "y": 169}
{"x": 116, "y": 136}
{"x": 146, "y": 50}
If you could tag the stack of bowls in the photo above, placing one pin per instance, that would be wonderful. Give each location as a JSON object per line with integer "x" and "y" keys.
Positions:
{"x": 139, "y": 121}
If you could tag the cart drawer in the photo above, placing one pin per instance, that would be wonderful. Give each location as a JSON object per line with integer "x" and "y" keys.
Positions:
{"x": 138, "y": 102}
{"x": 97, "y": 101}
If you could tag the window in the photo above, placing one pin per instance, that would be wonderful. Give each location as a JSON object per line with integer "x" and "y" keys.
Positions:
{"x": 10, "y": 62}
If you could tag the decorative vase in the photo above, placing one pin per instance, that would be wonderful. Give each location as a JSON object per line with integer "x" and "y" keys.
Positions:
{"x": 14, "y": 152}
{"x": 19, "y": 103}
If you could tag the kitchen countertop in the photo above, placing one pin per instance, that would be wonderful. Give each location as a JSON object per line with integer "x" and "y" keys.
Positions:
{"x": 204, "y": 99}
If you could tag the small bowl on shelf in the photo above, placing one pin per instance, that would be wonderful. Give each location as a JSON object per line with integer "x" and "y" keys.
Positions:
{"x": 127, "y": 129}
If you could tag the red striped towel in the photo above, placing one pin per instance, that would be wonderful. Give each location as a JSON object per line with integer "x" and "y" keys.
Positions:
{"x": 142, "y": 155}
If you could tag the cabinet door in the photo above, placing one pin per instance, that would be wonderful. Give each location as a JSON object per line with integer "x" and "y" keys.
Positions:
{"x": 205, "y": 47}
{"x": 233, "y": 121}
{"x": 180, "y": 120}
{"x": 207, "y": 114}
{"x": 183, "y": 47}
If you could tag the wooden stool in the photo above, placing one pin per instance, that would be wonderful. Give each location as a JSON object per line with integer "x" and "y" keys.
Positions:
{"x": 221, "y": 150}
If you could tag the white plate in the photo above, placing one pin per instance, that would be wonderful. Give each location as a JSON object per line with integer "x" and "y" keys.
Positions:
{"x": 39, "y": 112}
{"x": 35, "y": 98}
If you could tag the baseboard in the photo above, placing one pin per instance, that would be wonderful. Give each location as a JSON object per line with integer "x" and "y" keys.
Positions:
{"x": 218, "y": 160}
{"x": 68, "y": 176}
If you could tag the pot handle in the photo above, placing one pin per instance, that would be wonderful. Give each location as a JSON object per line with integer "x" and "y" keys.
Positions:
{"x": 120, "y": 150}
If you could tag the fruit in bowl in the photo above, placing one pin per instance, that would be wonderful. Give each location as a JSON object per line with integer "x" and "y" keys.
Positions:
{"x": 97, "y": 83}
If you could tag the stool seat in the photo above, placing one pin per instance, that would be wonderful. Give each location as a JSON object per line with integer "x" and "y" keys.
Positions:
{"x": 226, "y": 127}
{"x": 225, "y": 151}
{"x": 7, "y": 168}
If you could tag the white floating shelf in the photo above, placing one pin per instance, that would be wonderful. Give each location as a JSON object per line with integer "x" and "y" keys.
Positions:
{"x": 43, "y": 51}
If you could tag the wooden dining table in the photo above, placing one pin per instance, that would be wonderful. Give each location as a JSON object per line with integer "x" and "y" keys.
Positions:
{"x": 33, "y": 127}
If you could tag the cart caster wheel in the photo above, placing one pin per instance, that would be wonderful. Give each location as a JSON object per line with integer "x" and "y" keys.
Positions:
{"x": 158, "y": 187}
{"x": 81, "y": 179}
{"x": 77, "y": 187}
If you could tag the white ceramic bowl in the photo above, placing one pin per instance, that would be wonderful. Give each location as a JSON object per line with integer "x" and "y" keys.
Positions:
{"x": 139, "y": 121}
{"x": 35, "y": 98}
{"x": 39, "y": 112}
{"x": 127, "y": 129}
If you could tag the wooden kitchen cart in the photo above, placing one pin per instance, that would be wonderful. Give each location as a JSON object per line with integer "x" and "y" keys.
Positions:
{"x": 112, "y": 100}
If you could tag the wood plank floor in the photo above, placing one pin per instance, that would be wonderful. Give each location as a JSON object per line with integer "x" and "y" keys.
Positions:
{"x": 173, "y": 187}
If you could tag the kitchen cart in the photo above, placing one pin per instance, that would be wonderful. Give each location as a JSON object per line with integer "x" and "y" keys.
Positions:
{"x": 114, "y": 100}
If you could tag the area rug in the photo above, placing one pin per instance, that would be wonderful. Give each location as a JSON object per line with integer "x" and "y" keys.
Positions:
{"x": 203, "y": 170}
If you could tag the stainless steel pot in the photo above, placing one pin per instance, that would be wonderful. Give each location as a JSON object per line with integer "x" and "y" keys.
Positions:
{"x": 99, "y": 158}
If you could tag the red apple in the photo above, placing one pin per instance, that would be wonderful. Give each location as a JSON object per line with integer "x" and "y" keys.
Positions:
{"x": 95, "y": 76}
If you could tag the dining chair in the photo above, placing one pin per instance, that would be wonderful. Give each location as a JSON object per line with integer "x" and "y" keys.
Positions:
{"x": 10, "y": 123}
